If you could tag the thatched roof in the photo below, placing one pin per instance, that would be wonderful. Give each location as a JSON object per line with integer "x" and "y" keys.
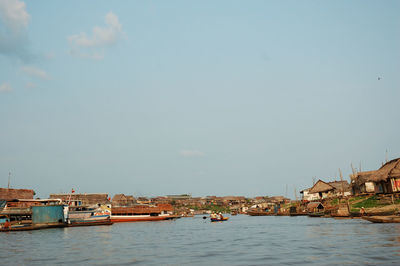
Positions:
{"x": 119, "y": 197}
{"x": 339, "y": 185}
{"x": 389, "y": 170}
{"x": 321, "y": 186}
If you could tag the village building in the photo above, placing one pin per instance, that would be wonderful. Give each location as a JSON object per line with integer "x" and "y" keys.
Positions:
{"x": 143, "y": 200}
{"x": 384, "y": 180}
{"x": 278, "y": 200}
{"x": 88, "y": 199}
{"x": 307, "y": 196}
{"x": 323, "y": 190}
{"x": 12, "y": 193}
{"x": 123, "y": 200}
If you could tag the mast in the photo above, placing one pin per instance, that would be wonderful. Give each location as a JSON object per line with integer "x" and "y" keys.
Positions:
{"x": 9, "y": 178}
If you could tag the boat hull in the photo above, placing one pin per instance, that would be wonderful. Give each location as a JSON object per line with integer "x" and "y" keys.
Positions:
{"x": 219, "y": 220}
{"x": 382, "y": 219}
{"x": 90, "y": 223}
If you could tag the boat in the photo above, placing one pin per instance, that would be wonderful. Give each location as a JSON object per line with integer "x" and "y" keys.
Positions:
{"x": 141, "y": 213}
{"x": 298, "y": 214}
{"x": 316, "y": 214}
{"x": 219, "y": 219}
{"x": 382, "y": 219}
{"x": 43, "y": 217}
{"x": 29, "y": 227}
{"x": 259, "y": 212}
{"x": 82, "y": 216}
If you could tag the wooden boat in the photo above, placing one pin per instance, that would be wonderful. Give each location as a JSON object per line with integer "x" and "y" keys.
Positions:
{"x": 258, "y": 212}
{"x": 29, "y": 227}
{"x": 316, "y": 214}
{"x": 383, "y": 219}
{"x": 298, "y": 214}
{"x": 219, "y": 220}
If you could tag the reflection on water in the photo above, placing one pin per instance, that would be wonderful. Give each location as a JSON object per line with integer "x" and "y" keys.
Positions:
{"x": 243, "y": 240}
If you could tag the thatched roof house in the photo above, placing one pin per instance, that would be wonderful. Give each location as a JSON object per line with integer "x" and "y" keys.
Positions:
{"x": 384, "y": 180}
{"x": 330, "y": 189}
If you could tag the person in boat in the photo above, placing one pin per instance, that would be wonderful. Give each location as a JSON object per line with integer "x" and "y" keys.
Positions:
{"x": 213, "y": 215}
{"x": 7, "y": 224}
{"x": 220, "y": 217}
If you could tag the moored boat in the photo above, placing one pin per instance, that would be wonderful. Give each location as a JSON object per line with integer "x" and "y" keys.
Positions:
{"x": 382, "y": 219}
{"x": 298, "y": 214}
{"x": 259, "y": 212}
{"x": 316, "y": 214}
{"x": 81, "y": 216}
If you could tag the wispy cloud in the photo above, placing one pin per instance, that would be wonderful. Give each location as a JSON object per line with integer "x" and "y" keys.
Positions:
{"x": 5, "y": 87}
{"x": 30, "y": 85}
{"x": 87, "y": 55}
{"x": 13, "y": 29}
{"x": 191, "y": 153}
{"x": 35, "y": 72}
{"x": 85, "y": 46}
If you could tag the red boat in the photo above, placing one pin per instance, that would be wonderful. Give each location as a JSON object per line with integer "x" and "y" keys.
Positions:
{"x": 139, "y": 213}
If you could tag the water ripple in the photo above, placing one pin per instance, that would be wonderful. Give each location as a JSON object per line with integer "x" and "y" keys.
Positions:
{"x": 242, "y": 240}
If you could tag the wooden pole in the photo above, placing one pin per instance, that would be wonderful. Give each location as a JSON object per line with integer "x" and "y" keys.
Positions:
{"x": 341, "y": 181}
{"x": 9, "y": 178}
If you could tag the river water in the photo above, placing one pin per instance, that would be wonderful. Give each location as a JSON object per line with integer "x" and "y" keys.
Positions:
{"x": 243, "y": 240}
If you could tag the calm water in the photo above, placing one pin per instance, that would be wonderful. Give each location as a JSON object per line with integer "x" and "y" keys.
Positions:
{"x": 243, "y": 240}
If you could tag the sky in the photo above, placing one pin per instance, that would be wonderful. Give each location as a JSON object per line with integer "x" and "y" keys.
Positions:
{"x": 220, "y": 98}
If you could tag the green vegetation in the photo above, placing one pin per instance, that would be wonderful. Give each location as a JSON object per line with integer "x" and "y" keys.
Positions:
{"x": 370, "y": 202}
{"x": 335, "y": 202}
{"x": 357, "y": 198}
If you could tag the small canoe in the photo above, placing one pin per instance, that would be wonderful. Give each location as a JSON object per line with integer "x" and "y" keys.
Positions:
{"x": 383, "y": 219}
{"x": 219, "y": 220}
{"x": 316, "y": 214}
{"x": 298, "y": 214}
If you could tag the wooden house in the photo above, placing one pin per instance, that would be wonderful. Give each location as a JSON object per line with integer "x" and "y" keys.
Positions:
{"x": 330, "y": 189}
{"x": 384, "y": 180}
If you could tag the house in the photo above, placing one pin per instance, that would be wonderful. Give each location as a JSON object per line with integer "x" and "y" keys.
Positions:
{"x": 12, "y": 193}
{"x": 322, "y": 190}
{"x": 384, "y": 180}
{"x": 86, "y": 199}
{"x": 307, "y": 196}
{"x": 123, "y": 200}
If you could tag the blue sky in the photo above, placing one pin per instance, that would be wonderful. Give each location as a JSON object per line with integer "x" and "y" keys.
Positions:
{"x": 208, "y": 98}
